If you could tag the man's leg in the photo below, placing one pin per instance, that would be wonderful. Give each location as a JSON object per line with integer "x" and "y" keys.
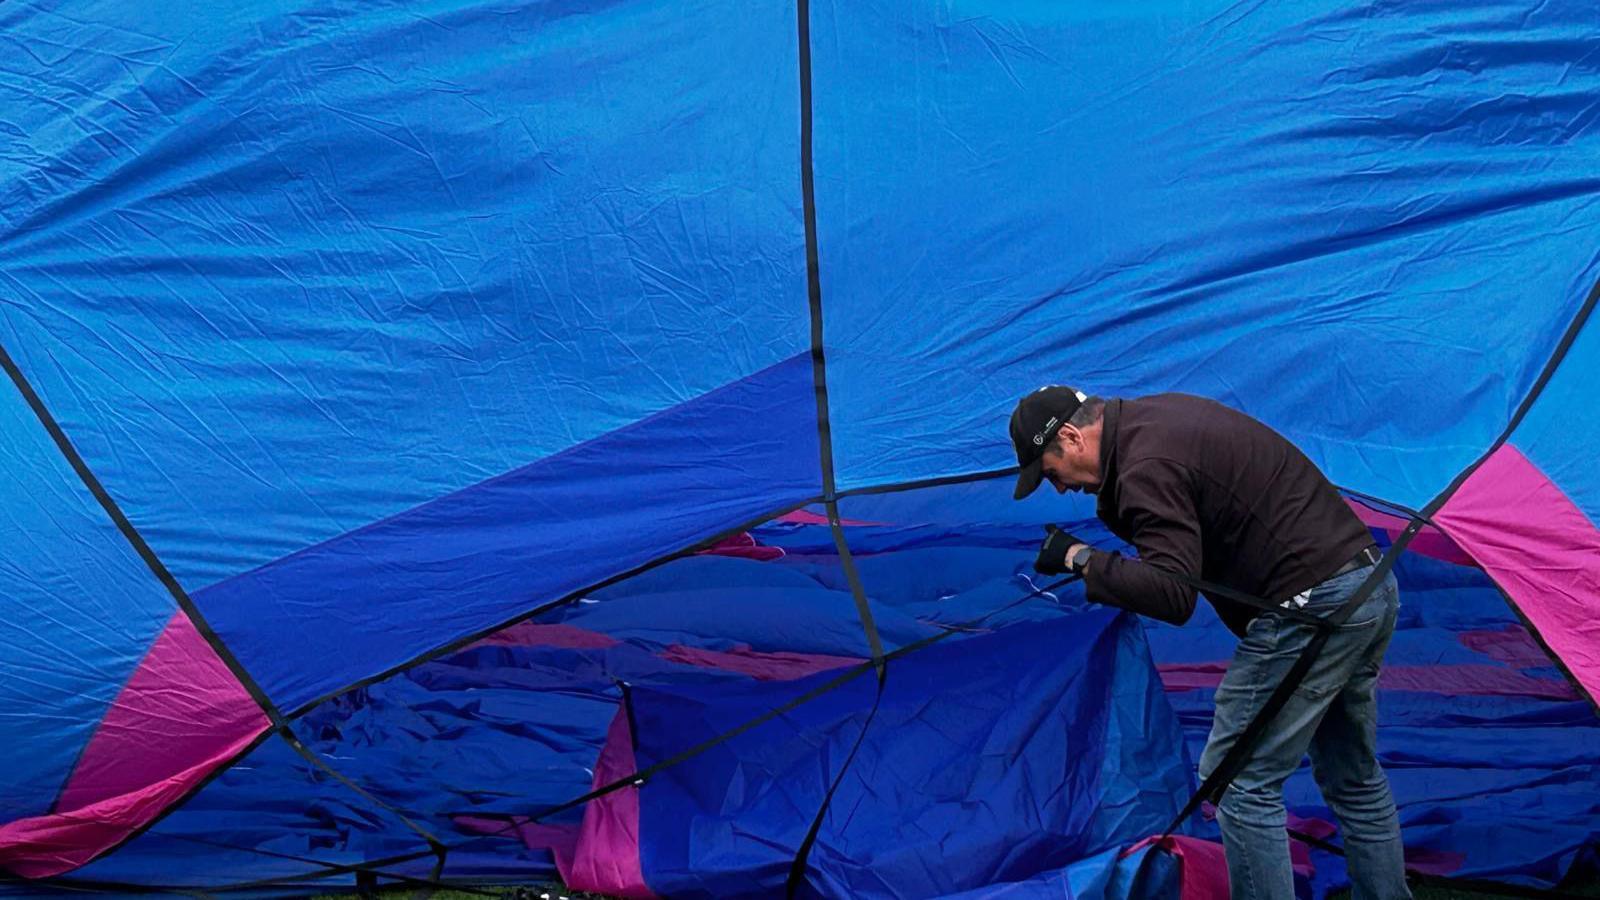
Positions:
{"x": 1251, "y": 813}
{"x": 1344, "y": 756}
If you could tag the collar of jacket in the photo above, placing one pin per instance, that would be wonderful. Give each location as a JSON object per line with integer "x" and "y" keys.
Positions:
{"x": 1108, "y": 456}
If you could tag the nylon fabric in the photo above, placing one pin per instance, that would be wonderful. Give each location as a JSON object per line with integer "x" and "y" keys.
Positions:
{"x": 471, "y": 560}
{"x": 81, "y": 612}
{"x": 389, "y": 326}
{"x": 513, "y": 724}
{"x": 1559, "y": 432}
{"x": 960, "y": 707}
{"x": 1253, "y": 204}
{"x": 290, "y": 269}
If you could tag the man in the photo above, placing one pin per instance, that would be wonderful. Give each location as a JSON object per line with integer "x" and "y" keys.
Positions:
{"x": 1206, "y": 492}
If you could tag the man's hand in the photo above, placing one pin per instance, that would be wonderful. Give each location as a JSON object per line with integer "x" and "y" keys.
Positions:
{"x": 1053, "y": 552}
{"x": 1072, "y": 554}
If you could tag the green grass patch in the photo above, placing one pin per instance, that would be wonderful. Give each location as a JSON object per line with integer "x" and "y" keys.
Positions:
{"x": 555, "y": 891}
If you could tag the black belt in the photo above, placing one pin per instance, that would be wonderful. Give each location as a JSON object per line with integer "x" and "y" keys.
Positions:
{"x": 1368, "y": 556}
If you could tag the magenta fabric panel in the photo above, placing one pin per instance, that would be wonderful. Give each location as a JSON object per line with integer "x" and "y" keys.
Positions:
{"x": 560, "y": 839}
{"x": 1542, "y": 551}
{"x": 1321, "y": 829}
{"x": 743, "y": 546}
{"x": 1428, "y": 542}
{"x": 43, "y": 846}
{"x": 1191, "y": 676}
{"x": 1472, "y": 679}
{"x": 762, "y": 666}
{"x": 1455, "y": 679}
{"x": 776, "y": 666}
{"x": 1204, "y": 869}
{"x": 807, "y": 517}
{"x": 181, "y": 707}
{"x": 180, "y": 716}
{"x": 606, "y": 860}
{"x": 532, "y": 634}
{"x": 1442, "y": 863}
{"x": 1511, "y": 645}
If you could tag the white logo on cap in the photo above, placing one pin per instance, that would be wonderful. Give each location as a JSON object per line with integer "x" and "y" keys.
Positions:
{"x": 1049, "y": 427}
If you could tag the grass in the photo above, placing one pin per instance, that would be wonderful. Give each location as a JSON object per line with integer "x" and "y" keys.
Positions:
{"x": 555, "y": 891}
{"x": 1438, "y": 893}
{"x": 477, "y": 893}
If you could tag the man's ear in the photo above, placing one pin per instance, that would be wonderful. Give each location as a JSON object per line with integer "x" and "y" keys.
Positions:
{"x": 1069, "y": 436}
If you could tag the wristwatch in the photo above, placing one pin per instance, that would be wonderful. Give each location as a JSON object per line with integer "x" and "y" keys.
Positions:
{"x": 1077, "y": 561}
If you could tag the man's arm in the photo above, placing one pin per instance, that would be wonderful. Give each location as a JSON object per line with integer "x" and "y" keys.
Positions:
{"x": 1157, "y": 503}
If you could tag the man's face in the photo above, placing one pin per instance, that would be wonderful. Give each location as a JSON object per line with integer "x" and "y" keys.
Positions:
{"x": 1072, "y": 461}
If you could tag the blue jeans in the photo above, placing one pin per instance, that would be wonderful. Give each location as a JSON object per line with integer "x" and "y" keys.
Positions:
{"x": 1334, "y": 716}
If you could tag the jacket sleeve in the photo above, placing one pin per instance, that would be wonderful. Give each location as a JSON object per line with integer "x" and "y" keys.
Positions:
{"x": 1156, "y": 502}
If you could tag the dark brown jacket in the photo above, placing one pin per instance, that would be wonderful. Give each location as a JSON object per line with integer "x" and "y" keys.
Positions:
{"x": 1207, "y": 491}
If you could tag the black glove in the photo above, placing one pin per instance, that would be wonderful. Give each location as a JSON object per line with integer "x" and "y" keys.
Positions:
{"x": 1053, "y": 552}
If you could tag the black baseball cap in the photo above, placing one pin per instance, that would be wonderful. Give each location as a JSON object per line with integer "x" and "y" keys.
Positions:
{"x": 1033, "y": 423}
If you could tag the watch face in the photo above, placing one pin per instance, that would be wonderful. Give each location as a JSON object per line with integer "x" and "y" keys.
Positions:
{"x": 1081, "y": 558}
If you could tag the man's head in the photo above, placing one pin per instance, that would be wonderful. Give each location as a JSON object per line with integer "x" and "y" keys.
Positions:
{"x": 1056, "y": 433}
